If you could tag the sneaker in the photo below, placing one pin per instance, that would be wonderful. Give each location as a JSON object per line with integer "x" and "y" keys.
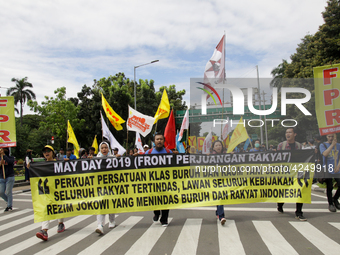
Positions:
{"x": 155, "y": 218}
{"x": 8, "y": 209}
{"x": 331, "y": 208}
{"x": 112, "y": 224}
{"x": 280, "y": 209}
{"x": 336, "y": 203}
{"x": 42, "y": 235}
{"x": 100, "y": 230}
{"x": 61, "y": 227}
{"x": 164, "y": 224}
{"x": 300, "y": 217}
{"x": 223, "y": 220}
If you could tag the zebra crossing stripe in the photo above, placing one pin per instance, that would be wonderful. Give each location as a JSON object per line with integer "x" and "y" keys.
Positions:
{"x": 16, "y": 222}
{"x": 23, "y": 200}
{"x": 70, "y": 240}
{"x": 335, "y": 224}
{"x": 316, "y": 237}
{"x": 14, "y": 214}
{"x": 34, "y": 240}
{"x": 23, "y": 194}
{"x": 232, "y": 244}
{"x": 147, "y": 241}
{"x": 111, "y": 237}
{"x": 273, "y": 239}
{"x": 188, "y": 238}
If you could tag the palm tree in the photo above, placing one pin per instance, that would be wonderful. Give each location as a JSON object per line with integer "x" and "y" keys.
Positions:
{"x": 278, "y": 74}
{"x": 21, "y": 94}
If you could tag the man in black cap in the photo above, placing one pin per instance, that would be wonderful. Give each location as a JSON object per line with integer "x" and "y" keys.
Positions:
{"x": 115, "y": 152}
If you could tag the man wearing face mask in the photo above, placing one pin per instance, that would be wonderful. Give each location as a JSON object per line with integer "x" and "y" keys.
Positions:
{"x": 257, "y": 147}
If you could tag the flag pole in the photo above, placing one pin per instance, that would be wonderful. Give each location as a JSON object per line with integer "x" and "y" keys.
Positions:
{"x": 127, "y": 141}
{"x": 224, "y": 75}
{"x": 3, "y": 167}
{"x": 66, "y": 135}
{"x": 155, "y": 128}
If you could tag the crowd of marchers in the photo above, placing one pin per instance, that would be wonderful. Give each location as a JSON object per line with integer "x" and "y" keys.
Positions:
{"x": 326, "y": 154}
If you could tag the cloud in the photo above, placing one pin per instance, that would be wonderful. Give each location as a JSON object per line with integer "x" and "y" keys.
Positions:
{"x": 70, "y": 43}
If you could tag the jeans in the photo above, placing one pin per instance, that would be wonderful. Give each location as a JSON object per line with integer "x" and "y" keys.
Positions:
{"x": 220, "y": 212}
{"x": 6, "y": 187}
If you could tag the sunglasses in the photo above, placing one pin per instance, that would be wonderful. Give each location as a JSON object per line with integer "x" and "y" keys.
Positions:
{"x": 47, "y": 150}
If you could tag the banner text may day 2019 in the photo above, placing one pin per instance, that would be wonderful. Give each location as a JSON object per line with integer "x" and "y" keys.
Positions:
{"x": 168, "y": 181}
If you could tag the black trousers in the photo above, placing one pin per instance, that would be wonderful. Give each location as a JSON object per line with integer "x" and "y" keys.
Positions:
{"x": 329, "y": 183}
{"x": 164, "y": 217}
{"x": 298, "y": 211}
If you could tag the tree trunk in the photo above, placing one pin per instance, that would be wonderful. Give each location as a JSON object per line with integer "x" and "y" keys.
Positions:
{"x": 21, "y": 112}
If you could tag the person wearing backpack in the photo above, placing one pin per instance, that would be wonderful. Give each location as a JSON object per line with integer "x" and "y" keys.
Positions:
{"x": 291, "y": 144}
{"x": 159, "y": 149}
{"x": 331, "y": 163}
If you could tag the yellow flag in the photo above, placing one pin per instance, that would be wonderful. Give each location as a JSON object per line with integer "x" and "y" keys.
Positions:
{"x": 95, "y": 145}
{"x": 113, "y": 117}
{"x": 72, "y": 139}
{"x": 163, "y": 110}
{"x": 239, "y": 135}
{"x": 227, "y": 141}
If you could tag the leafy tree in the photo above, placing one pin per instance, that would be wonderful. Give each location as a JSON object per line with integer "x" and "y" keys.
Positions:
{"x": 119, "y": 93}
{"x": 56, "y": 112}
{"x": 322, "y": 48}
{"x": 21, "y": 94}
{"x": 29, "y": 136}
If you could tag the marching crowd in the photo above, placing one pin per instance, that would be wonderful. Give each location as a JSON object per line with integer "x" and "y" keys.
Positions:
{"x": 327, "y": 154}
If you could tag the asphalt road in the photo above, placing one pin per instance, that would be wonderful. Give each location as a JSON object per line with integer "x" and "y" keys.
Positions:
{"x": 250, "y": 229}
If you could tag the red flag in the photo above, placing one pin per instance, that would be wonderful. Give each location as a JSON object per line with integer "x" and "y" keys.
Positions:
{"x": 170, "y": 132}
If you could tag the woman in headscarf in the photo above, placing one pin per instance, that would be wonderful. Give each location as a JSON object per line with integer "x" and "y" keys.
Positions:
{"x": 104, "y": 151}
{"x": 218, "y": 148}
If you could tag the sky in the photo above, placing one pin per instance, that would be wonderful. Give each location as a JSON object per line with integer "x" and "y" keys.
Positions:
{"x": 71, "y": 43}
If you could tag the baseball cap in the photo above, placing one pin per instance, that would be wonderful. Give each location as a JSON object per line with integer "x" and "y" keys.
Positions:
{"x": 146, "y": 146}
{"x": 48, "y": 147}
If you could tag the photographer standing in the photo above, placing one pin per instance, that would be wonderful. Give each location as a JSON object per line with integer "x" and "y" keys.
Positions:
{"x": 6, "y": 177}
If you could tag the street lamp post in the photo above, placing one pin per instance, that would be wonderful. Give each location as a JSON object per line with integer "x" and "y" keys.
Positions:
{"x": 134, "y": 78}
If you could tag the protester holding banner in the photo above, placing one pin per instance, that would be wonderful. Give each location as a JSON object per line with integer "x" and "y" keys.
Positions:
{"x": 104, "y": 151}
{"x": 92, "y": 152}
{"x": 60, "y": 155}
{"x": 69, "y": 155}
{"x": 217, "y": 148}
{"x": 6, "y": 177}
{"x": 115, "y": 152}
{"x": 160, "y": 149}
{"x": 330, "y": 152}
{"x": 257, "y": 146}
{"x": 291, "y": 144}
{"x": 49, "y": 155}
